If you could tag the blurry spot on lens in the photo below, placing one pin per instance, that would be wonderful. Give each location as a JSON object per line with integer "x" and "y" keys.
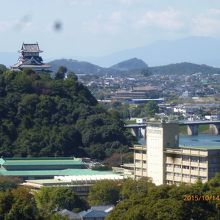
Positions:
{"x": 57, "y": 26}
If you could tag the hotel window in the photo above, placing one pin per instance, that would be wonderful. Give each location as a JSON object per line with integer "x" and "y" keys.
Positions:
{"x": 169, "y": 182}
{"x": 194, "y": 177}
{"x": 185, "y": 158}
{"x": 169, "y": 173}
{"x": 138, "y": 169}
{"x": 203, "y": 178}
{"x": 194, "y": 159}
{"x": 177, "y": 166}
{"x": 186, "y": 167}
{"x": 202, "y": 159}
{"x": 186, "y": 175}
{"x": 194, "y": 168}
{"x": 177, "y": 174}
{"x": 169, "y": 165}
{"x": 202, "y": 169}
{"x": 138, "y": 151}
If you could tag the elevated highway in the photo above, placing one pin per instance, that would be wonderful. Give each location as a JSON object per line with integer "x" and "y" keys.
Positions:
{"x": 192, "y": 127}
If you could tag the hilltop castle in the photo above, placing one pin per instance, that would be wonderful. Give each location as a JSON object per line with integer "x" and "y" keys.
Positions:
{"x": 30, "y": 58}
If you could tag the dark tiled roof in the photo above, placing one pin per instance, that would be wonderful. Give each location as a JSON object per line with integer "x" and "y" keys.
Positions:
{"x": 30, "y": 48}
{"x": 104, "y": 208}
{"x": 69, "y": 214}
{"x": 93, "y": 214}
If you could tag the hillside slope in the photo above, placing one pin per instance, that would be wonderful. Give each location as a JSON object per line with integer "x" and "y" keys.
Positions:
{"x": 41, "y": 116}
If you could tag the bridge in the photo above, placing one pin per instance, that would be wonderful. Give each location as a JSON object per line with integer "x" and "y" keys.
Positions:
{"x": 192, "y": 127}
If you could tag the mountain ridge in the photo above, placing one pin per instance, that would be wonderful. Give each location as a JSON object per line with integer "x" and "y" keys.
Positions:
{"x": 133, "y": 65}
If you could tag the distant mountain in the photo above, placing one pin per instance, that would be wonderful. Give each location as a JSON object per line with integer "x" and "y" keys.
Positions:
{"x": 184, "y": 68}
{"x": 192, "y": 49}
{"x": 130, "y": 65}
{"x": 82, "y": 67}
{"x": 79, "y": 67}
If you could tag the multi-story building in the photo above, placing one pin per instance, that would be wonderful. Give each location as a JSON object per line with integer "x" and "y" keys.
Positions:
{"x": 164, "y": 161}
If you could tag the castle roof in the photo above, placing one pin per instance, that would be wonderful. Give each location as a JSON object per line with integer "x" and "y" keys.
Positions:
{"x": 30, "y": 48}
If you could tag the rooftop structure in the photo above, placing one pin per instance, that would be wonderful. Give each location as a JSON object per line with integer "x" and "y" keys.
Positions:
{"x": 30, "y": 58}
{"x": 79, "y": 180}
{"x": 39, "y": 167}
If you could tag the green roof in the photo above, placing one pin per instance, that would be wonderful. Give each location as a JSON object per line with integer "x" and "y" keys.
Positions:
{"x": 66, "y": 172}
{"x": 39, "y": 161}
{"x": 201, "y": 147}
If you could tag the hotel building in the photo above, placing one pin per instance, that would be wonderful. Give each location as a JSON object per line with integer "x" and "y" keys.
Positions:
{"x": 166, "y": 162}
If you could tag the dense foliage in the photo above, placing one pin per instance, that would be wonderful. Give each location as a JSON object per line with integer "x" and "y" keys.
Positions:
{"x": 134, "y": 199}
{"x": 50, "y": 199}
{"x": 41, "y": 116}
{"x": 18, "y": 202}
{"x": 105, "y": 192}
{"x": 142, "y": 200}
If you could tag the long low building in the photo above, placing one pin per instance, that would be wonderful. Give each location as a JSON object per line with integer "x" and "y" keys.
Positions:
{"x": 38, "y": 168}
{"x": 45, "y": 172}
{"x": 80, "y": 180}
{"x": 165, "y": 161}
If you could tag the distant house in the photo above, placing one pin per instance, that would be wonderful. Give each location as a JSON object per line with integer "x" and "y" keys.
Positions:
{"x": 104, "y": 208}
{"x": 93, "y": 215}
{"x": 69, "y": 215}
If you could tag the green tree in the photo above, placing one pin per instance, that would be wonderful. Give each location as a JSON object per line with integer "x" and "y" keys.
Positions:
{"x": 41, "y": 116}
{"x": 152, "y": 108}
{"x": 60, "y": 74}
{"x": 104, "y": 192}
{"x": 8, "y": 183}
{"x": 51, "y": 199}
{"x": 17, "y": 204}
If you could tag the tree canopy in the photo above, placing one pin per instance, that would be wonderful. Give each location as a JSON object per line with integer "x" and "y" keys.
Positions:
{"x": 42, "y": 116}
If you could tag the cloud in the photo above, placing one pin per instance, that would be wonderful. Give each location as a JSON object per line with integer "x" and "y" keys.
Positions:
{"x": 110, "y": 24}
{"x": 5, "y": 26}
{"x": 17, "y": 25}
{"x": 169, "y": 19}
{"x": 128, "y": 2}
{"x": 207, "y": 23}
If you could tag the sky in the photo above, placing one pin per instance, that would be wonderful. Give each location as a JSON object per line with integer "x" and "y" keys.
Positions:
{"x": 81, "y": 28}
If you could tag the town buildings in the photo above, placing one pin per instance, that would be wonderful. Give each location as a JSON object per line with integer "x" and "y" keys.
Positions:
{"x": 166, "y": 162}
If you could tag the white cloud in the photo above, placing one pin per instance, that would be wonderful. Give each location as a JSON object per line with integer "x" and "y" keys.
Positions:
{"x": 166, "y": 19}
{"x": 80, "y": 2}
{"x": 106, "y": 24}
{"x": 128, "y": 2}
{"x": 5, "y": 25}
{"x": 17, "y": 25}
{"x": 207, "y": 24}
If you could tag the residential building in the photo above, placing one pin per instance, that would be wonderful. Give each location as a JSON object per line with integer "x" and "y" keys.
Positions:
{"x": 164, "y": 161}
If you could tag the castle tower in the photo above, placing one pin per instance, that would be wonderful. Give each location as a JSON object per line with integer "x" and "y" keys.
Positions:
{"x": 30, "y": 58}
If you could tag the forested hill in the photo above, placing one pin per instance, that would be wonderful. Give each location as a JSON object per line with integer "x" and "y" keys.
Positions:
{"x": 41, "y": 116}
{"x": 184, "y": 68}
{"x": 133, "y": 66}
